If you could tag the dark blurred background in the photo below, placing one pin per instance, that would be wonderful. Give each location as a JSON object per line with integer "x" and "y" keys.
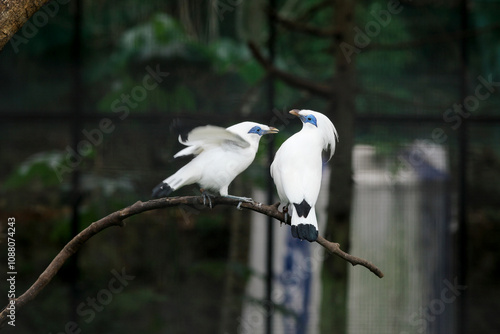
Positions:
{"x": 89, "y": 90}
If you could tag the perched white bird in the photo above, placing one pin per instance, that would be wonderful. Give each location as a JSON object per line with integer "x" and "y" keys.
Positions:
{"x": 297, "y": 168}
{"x": 220, "y": 155}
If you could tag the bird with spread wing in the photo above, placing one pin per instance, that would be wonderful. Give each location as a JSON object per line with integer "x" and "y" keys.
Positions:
{"x": 297, "y": 170}
{"x": 219, "y": 156}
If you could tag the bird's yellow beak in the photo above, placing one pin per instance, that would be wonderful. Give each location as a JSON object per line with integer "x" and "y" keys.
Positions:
{"x": 272, "y": 130}
{"x": 295, "y": 112}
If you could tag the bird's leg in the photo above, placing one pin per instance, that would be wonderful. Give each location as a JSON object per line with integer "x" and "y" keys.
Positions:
{"x": 241, "y": 199}
{"x": 285, "y": 211}
{"x": 206, "y": 197}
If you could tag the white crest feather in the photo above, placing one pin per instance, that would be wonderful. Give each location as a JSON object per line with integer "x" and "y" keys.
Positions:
{"x": 328, "y": 131}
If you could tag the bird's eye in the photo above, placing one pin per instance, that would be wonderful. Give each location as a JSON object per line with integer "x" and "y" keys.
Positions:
{"x": 310, "y": 119}
{"x": 256, "y": 130}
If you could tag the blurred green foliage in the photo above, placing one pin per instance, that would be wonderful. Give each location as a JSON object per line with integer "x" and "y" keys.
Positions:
{"x": 179, "y": 258}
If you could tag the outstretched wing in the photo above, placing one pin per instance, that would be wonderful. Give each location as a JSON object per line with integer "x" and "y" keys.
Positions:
{"x": 205, "y": 137}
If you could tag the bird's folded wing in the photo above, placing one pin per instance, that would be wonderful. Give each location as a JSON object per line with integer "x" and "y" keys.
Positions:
{"x": 203, "y": 137}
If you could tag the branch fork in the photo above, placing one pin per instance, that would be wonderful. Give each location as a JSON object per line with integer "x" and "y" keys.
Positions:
{"x": 117, "y": 219}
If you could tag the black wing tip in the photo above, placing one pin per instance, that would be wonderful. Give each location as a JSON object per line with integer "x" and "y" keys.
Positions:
{"x": 305, "y": 232}
{"x": 162, "y": 190}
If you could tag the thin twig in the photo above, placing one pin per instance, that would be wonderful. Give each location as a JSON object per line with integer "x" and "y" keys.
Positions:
{"x": 334, "y": 248}
{"x": 116, "y": 219}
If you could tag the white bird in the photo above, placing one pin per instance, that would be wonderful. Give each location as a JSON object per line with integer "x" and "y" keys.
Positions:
{"x": 220, "y": 155}
{"x": 297, "y": 168}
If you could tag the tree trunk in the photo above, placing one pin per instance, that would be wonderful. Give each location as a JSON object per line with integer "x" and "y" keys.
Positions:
{"x": 341, "y": 109}
{"x": 235, "y": 280}
{"x": 14, "y": 14}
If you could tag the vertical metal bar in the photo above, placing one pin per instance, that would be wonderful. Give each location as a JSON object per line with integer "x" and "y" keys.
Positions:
{"x": 76, "y": 122}
{"x": 270, "y": 185}
{"x": 462, "y": 175}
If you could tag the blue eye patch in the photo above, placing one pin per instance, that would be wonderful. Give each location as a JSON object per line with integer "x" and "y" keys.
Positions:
{"x": 256, "y": 129}
{"x": 309, "y": 119}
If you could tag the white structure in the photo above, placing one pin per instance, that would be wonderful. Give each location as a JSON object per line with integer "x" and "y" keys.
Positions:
{"x": 400, "y": 221}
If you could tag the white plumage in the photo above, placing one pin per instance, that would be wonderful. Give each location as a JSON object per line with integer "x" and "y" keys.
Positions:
{"x": 220, "y": 155}
{"x": 297, "y": 170}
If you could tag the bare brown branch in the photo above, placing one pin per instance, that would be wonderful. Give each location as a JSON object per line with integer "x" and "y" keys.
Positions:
{"x": 292, "y": 80}
{"x": 14, "y": 14}
{"x": 334, "y": 248}
{"x": 297, "y": 25}
{"x": 117, "y": 218}
{"x": 314, "y": 9}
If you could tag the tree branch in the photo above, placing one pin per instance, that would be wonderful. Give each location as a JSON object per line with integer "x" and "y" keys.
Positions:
{"x": 292, "y": 80}
{"x": 334, "y": 248}
{"x": 312, "y": 10}
{"x": 117, "y": 218}
{"x": 14, "y": 14}
{"x": 298, "y": 26}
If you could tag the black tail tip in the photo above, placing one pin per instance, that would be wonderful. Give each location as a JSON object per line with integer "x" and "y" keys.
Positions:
{"x": 305, "y": 232}
{"x": 162, "y": 190}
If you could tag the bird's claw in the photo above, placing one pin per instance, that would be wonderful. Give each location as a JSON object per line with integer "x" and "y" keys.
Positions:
{"x": 239, "y": 206}
{"x": 206, "y": 198}
{"x": 285, "y": 212}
